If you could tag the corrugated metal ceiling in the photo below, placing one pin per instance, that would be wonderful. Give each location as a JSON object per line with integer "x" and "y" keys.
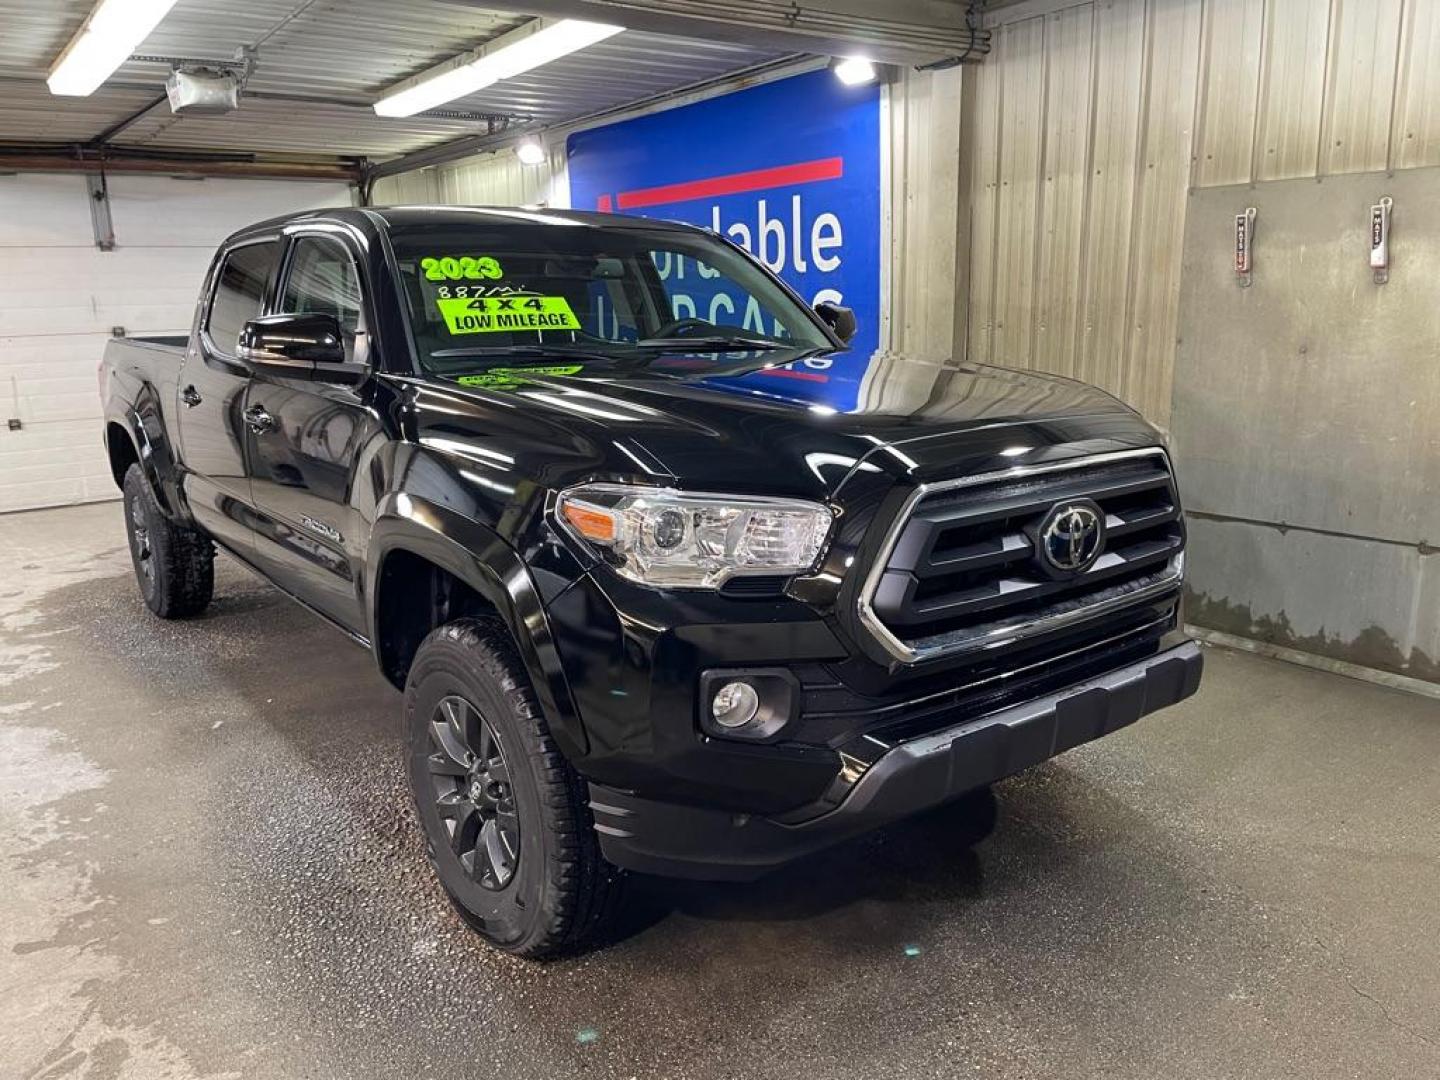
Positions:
{"x": 339, "y": 54}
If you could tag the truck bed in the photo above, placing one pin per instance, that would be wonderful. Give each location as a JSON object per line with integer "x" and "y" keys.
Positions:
{"x": 160, "y": 342}
{"x": 141, "y": 373}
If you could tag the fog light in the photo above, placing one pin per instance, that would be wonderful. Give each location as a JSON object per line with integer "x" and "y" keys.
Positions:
{"x": 735, "y": 705}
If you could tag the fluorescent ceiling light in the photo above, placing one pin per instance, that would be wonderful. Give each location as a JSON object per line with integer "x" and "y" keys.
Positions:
{"x": 530, "y": 152}
{"x": 854, "y": 71}
{"x": 112, "y": 32}
{"x": 510, "y": 54}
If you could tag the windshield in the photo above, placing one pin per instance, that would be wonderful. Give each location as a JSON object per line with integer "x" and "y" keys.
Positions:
{"x": 480, "y": 295}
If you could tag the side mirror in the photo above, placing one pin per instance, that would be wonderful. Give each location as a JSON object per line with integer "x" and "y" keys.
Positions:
{"x": 301, "y": 346}
{"x": 840, "y": 319}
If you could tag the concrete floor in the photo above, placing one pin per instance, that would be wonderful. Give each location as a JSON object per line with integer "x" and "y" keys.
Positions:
{"x": 208, "y": 868}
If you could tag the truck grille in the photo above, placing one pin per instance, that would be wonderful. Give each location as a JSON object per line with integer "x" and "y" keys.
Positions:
{"x": 962, "y": 570}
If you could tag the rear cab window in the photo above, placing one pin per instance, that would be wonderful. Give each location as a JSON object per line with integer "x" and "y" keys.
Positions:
{"x": 239, "y": 294}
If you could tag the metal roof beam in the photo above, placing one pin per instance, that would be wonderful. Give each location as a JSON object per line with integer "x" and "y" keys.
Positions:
{"x": 67, "y": 159}
{"x": 905, "y": 32}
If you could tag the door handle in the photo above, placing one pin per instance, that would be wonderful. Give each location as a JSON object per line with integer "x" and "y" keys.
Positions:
{"x": 190, "y": 397}
{"x": 258, "y": 420}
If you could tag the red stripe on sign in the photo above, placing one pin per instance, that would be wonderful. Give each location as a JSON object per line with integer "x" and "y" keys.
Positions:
{"x": 603, "y": 204}
{"x": 804, "y": 172}
{"x": 787, "y": 373}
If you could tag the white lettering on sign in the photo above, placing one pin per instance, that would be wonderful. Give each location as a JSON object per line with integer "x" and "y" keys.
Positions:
{"x": 824, "y": 235}
{"x": 781, "y": 248}
{"x": 797, "y": 241}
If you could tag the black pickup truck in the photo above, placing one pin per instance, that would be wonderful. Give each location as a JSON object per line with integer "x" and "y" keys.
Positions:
{"x": 656, "y": 601}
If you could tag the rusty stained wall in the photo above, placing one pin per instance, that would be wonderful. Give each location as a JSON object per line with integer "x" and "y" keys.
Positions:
{"x": 1094, "y": 120}
{"x": 1307, "y": 420}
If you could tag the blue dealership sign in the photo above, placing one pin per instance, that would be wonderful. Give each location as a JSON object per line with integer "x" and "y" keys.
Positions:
{"x": 789, "y": 170}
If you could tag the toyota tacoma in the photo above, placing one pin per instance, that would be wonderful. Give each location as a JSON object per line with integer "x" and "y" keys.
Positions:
{"x": 666, "y": 589}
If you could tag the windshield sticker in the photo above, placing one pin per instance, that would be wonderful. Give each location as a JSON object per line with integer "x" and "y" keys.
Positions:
{"x": 512, "y": 312}
{"x": 461, "y": 268}
{"x": 506, "y": 378}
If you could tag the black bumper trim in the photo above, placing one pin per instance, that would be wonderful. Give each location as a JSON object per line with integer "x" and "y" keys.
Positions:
{"x": 687, "y": 841}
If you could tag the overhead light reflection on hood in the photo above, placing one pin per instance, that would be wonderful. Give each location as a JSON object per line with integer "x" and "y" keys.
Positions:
{"x": 818, "y": 461}
{"x": 569, "y": 403}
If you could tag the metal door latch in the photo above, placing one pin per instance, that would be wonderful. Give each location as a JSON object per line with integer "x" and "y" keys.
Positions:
{"x": 1244, "y": 241}
{"x": 1380, "y": 239}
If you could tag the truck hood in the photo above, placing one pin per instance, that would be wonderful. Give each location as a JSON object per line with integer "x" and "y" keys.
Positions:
{"x": 803, "y": 430}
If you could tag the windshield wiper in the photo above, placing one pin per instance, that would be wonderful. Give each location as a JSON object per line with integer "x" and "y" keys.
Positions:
{"x": 559, "y": 348}
{"x": 711, "y": 344}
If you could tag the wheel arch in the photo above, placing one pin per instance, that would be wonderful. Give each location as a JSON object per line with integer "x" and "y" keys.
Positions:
{"x": 129, "y": 441}
{"x": 120, "y": 448}
{"x": 429, "y": 565}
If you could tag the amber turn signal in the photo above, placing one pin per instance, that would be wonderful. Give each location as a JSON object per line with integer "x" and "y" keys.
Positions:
{"x": 590, "y": 522}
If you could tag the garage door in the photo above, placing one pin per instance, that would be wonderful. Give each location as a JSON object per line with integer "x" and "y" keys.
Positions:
{"x": 60, "y": 298}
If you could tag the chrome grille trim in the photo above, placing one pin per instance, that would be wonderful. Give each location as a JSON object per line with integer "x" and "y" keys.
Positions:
{"x": 1005, "y": 632}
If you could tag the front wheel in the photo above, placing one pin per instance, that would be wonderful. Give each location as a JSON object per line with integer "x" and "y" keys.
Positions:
{"x": 505, "y": 816}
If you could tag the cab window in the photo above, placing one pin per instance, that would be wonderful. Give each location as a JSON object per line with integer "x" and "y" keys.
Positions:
{"x": 322, "y": 280}
{"x": 240, "y": 292}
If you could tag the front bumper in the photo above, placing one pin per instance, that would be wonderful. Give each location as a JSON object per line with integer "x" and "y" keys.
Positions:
{"x": 686, "y": 841}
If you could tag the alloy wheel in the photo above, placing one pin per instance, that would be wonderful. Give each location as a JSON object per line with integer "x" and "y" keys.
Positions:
{"x": 472, "y": 793}
{"x": 140, "y": 536}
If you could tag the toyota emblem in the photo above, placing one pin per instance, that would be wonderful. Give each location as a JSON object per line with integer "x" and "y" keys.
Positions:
{"x": 1071, "y": 536}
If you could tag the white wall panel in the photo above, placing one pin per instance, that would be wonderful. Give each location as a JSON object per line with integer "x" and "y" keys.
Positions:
{"x": 166, "y": 212}
{"x": 1068, "y": 37}
{"x": 1022, "y": 93}
{"x": 1110, "y": 198}
{"x": 923, "y": 292}
{"x": 984, "y": 198}
{"x": 416, "y": 188}
{"x": 497, "y": 179}
{"x": 1415, "y": 139}
{"x": 1364, "y": 45}
{"x": 1166, "y": 140}
{"x": 1234, "y": 36}
{"x": 1292, "y": 87}
{"x": 60, "y": 297}
{"x": 44, "y": 210}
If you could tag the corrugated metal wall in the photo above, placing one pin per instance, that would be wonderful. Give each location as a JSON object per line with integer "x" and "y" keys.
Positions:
{"x": 497, "y": 179}
{"x": 1093, "y": 120}
{"x": 923, "y": 295}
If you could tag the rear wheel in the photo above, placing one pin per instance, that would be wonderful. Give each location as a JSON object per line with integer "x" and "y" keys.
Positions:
{"x": 506, "y": 818}
{"x": 174, "y": 566}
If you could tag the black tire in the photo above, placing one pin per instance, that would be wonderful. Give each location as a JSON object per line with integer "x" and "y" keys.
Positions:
{"x": 476, "y": 794}
{"x": 174, "y": 566}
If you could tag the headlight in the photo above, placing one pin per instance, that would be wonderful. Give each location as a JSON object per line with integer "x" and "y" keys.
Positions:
{"x": 671, "y": 539}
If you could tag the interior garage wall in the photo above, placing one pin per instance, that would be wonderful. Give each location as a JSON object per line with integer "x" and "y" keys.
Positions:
{"x": 1307, "y": 420}
{"x": 497, "y": 179}
{"x": 1114, "y": 140}
{"x": 1094, "y": 120}
{"x": 61, "y": 297}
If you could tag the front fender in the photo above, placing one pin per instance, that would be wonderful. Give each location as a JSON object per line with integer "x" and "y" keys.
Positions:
{"x": 476, "y": 555}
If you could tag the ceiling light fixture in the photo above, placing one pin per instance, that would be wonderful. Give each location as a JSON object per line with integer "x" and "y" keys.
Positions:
{"x": 530, "y": 152}
{"x": 521, "y": 50}
{"x": 854, "y": 71}
{"x": 113, "y": 30}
